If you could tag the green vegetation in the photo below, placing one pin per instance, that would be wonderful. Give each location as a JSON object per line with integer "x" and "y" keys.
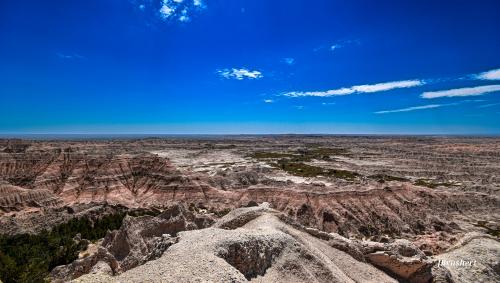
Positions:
{"x": 301, "y": 155}
{"x": 432, "y": 185}
{"x": 304, "y": 170}
{"x": 382, "y": 178}
{"x": 271, "y": 155}
{"x": 321, "y": 152}
{"x": 29, "y": 258}
{"x": 293, "y": 162}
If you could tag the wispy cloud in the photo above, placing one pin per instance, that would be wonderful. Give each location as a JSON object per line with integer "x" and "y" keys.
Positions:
{"x": 335, "y": 46}
{"x": 268, "y": 101}
{"x": 358, "y": 89}
{"x": 488, "y": 105}
{"x": 459, "y": 92}
{"x": 289, "y": 61}
{"x": 299, "y": 107}
{"x": 428, "y": 106}
{"x": 422, "y": 107}
{"x": 489, "y": 75}
{"x": 327, "y": 103}
{"x": 69, "y": 56}
{"x": 240, "y": 74}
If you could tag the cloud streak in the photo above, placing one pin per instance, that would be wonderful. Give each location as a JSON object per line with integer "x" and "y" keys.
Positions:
{"x": 428, "y": 106}
{"x": 370, "y": 88}
{"x": 69, "y": 56}
{"x": 422, "y": 107}
{"x": 461, "y": 92}
{"x": 489, "y": 75}
{"x": 488, "y": 105}
{"x": 240, "y": 74}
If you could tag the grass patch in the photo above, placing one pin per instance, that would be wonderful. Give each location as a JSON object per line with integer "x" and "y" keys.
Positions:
{"x": 293, "y": 162}
{"x": 304, "y": 170}
{"x": 301, "y": 155}
{"x": 270, "y": 155}
{"x": 382, "y": 178}
{"x": 432, "y": 185}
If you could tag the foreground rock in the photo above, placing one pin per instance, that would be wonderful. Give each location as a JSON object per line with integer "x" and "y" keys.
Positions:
{"x": 139, "y": 240}
{"x": 475, "y": 258}
{"x": 255, "y": 245}
{"x": 262, "y": 245}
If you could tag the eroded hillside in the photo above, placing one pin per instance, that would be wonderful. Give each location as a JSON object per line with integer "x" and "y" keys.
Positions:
{"x": 429, "y": 191}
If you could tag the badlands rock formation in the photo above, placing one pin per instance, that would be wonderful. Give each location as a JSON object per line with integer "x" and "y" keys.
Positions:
{"x": 262, "y": 245}
{"x": 390, "y": 203}
{"x": 139, "y": 240}
{"x": 255, "y": 245}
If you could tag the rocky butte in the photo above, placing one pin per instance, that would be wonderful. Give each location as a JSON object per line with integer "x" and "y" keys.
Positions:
{"x": 250, "y": 208}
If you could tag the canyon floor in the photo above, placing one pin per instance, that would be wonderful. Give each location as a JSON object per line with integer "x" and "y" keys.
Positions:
{"x": 289, "y": 208}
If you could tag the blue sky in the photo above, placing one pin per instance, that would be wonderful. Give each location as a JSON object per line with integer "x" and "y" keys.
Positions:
{"x": 256, "y": 66}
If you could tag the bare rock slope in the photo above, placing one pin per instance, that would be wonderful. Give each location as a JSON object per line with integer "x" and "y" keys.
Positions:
{"x": 263, "y": 245}
{"x": 255, "y": 245}
{"x": 138, "y": 240}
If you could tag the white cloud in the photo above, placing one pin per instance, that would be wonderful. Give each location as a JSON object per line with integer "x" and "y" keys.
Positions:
{"x": 430, "y": 106}
{"x": 289, "y": 61}
{"x": 335, "y": 46}
{"x": 458, "y": 92}
{"x": 327, "y": 103}
{"x": 268, "y": 100}
{"x": 240, "y": 74}
{"x": 178, "y": 9}
{"x": 358, "y": 89}
{"x": 166, "y": 11}
{"x": 489, "y": 75}
{"x": 184, "y": 17}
